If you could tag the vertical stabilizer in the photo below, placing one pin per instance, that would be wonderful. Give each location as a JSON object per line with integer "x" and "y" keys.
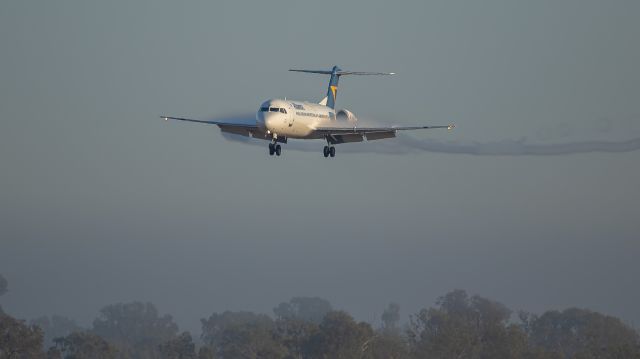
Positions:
{"x": 332, "y": 91}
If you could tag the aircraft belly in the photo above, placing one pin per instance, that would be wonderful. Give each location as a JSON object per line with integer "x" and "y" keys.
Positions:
{"x": 296, "y": 130}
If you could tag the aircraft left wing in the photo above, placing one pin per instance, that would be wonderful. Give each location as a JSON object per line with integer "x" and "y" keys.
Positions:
{"x": 242, "y": 129}
{"x": 358, "y": 134}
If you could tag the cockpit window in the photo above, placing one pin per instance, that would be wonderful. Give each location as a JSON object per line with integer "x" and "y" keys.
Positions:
{"x": 273, "y": 109}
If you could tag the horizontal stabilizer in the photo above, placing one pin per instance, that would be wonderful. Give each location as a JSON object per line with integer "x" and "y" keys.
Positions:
{"x": 341, "y": 72}
{"x": 336, "y": 72}
{"x": 324, "y": 72}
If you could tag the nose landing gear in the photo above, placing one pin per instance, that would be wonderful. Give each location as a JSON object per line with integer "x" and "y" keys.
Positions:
{"x": 274, "y": 149}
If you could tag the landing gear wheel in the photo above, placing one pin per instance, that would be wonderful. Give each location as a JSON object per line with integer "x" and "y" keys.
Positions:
{"x": 278, "y": 150}
{"x": 272, "y": 149}
{"x": 332, "y": 151}
{"x": 325, "y": 151}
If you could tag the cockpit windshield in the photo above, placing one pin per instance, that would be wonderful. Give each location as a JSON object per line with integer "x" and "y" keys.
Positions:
{"x": 273, "y": 109}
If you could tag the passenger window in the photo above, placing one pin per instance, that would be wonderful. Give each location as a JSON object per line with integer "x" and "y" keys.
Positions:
{"x": 283, "y": 110}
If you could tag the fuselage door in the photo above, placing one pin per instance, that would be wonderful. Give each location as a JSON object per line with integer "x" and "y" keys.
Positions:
{"x": 289, "y": 117}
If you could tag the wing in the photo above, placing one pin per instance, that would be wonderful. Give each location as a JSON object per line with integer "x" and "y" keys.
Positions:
{"x": 242, "y": 129}
{"x": 358, "y": 134}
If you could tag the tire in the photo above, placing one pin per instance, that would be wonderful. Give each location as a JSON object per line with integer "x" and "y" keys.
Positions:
{"x": 325, "y": 151}
{"x": 278, "y": 150}
{"x": 332, "y": 151}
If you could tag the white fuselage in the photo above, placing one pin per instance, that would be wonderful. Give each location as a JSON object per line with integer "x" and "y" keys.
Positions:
{"x": 296, "y": 119}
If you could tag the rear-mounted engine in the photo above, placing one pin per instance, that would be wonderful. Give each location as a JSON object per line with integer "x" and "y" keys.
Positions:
{"x": 346, "y": 115}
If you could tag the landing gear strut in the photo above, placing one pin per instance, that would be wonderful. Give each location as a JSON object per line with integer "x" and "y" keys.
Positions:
{"x": 274, "y": 149}
{"x": 329, "y": 151}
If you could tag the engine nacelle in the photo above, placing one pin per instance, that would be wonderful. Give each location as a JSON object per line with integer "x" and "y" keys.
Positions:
{"x": 346, "y": 115}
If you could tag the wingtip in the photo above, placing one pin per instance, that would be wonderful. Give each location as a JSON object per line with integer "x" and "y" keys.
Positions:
{"x": 451, "y": 127}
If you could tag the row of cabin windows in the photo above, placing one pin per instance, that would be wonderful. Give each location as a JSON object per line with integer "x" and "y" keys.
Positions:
{"x": 282, "y": 110}
{"x": 272, "y": 109}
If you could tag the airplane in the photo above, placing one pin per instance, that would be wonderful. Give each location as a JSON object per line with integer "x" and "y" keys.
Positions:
{"x": 279, "y": 120}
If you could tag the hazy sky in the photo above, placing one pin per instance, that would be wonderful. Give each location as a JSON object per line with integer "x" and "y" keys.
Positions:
{"x": 102, "y": 202}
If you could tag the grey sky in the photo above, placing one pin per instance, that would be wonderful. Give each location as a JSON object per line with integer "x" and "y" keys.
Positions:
{"x": 101, "y": 201}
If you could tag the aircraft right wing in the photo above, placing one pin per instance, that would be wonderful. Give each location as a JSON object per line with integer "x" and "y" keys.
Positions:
{"x": 358, "y": 134}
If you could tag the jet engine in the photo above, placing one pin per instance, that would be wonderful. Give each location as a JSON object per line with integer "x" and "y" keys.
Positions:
{"x": 346, "y": 115}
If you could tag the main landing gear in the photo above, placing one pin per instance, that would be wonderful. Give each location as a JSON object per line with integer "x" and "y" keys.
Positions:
{"x": 329, "y": 151}
{"x": 274, "y": 148}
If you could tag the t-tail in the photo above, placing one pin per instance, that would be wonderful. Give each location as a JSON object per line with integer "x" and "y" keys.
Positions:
{"x": 335, "y": 73}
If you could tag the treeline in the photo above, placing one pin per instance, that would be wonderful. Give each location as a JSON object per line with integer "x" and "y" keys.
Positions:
{"x": 457, "y": 326}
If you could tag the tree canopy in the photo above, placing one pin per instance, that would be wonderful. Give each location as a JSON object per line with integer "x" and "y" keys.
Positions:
{"x": 19, "y": 340}
{"x": 81, "y": 345}
{"x": 55, "y": 326}
{"x": 135, "y": 329}
{"x": 341, "y": 337}
{"x": 457, "y": 326}
{"x": 180, "y": 347}
{"x": 310, "y": 309}
{"x": 242, "y": 335}
{"x": 584, "y": 334}
{"x": 3, "y": 285}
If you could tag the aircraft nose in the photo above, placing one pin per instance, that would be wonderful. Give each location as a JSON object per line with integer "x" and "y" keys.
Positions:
{"x": 270, "y": 120}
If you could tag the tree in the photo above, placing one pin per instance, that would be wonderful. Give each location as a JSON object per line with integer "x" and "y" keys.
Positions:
{"x": 54, "y": 353}
{"x": 3, "y": 285}
{"x": 311, "y": 309}
{"x": 242, "y": 335}
{"x": 388, "y": 341}
{"x": 3, "y": 289}
{"x": 466, "y": 327}
{"x": 135, "y": 329}
{"x": 181, "y": 347}
{"x": 391, "y": 317}
{"x": 19, "y": 340}
{"x": 387, "y": 345}
{"x": 82, "y": 345}
{"x": 581, "y": 333}
{"x": 55, "y": 327}
{"x": 339, "y": 336}
{"x": 205, "y": 353}
{"x": 295, "y": 334}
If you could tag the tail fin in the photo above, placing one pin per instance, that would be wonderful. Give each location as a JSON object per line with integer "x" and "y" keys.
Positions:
{"x": 335, "y": 73}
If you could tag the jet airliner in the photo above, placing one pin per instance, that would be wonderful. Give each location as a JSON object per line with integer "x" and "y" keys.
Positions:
{"x": 279, "y": 120}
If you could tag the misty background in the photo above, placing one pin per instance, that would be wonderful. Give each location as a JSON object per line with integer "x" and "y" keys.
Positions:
{"x": 103, "y": 202}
